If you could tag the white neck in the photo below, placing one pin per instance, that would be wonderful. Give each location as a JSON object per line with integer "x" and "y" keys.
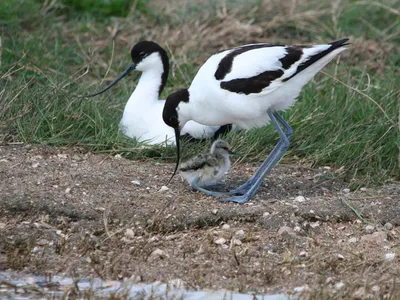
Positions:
{"x": 148, "y": 86}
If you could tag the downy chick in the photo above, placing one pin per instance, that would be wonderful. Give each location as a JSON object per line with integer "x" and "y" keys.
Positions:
{"x": 208, "y": 168}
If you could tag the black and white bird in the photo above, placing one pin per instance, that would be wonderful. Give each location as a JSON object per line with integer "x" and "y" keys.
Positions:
{"x": 207, "y": 169}
{"x": 142, "y": 117}
{"x": 246, "y": 86}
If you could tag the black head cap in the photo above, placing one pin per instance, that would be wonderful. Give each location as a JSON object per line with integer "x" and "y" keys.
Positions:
{"x": 170, "y": 112}
{"x": 143, "y": 49}
{"x": 171, "y": 118}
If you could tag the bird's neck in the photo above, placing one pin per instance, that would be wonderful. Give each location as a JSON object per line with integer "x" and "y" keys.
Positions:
{"x": 150, "y": 86}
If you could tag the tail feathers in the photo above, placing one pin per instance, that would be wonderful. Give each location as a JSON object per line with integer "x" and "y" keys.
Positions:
{"x": 314, "y": 58}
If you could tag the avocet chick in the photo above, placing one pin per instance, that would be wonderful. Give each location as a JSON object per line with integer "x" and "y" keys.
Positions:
{"x": 207, "y": 169}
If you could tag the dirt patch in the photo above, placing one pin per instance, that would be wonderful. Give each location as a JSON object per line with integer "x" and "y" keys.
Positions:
{"x": 79, "y": 214}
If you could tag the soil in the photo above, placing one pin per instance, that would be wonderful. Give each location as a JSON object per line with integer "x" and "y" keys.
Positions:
{"x": 65, "y": 211}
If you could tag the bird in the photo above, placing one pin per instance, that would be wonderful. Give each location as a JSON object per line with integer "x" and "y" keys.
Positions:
{"x": 207, "y": 169}
{"x": 142, "y": 116}
{"x": 247, "y": 86}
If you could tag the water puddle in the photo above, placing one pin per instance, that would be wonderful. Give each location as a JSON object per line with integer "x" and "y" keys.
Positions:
{"x": 21, "y": 286}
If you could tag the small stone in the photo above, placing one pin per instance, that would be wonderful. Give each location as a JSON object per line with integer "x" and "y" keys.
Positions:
{"x": 287, "y": 229}
{"x": 62, "y": 156}
{"x": 159, "y": 253}
{"x": 240, "y": 234}
{"x": 35, "y": 165}
{"x": 135, "y": 182}
{"x": 42, "y": 242}
{"x": 2, "y": 226}
{"x": 352, "y": 240}
{"x": 163, "y": 189}
{"x": 266, "y": 214}
{"x": 297, "y": 228}
{"x": 220, "y": 241}
{"x": 346, "y": 191}
{"x": 375, "y": 289}
{"x": 314, "y": 224}
{"x": 236, "y": 242}
{"x": 339, "y": 285}
{"x": 363, "y": 189}
{"x": 226, "y": 226}
{"x": 129, "y": 233}
{"x": 369, "y": 229}
{"x": 303, "y": 254}
{"x": 299, "y": 199}
{"x": 117, "y": 156}
{"x": 340, "y": 257}
{"x": 214, "y": 211}
{"x": 390, "y": 256}
{"x": 376, "y": 237}
{"x": 388, "y": 226}
{"x": 67, "y": 190}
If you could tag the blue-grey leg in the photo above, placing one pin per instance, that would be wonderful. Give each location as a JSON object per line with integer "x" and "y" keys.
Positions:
{"x": 272, "y": 159}
{"x": 241, "y": 190}
{"x": 194, "y": 186}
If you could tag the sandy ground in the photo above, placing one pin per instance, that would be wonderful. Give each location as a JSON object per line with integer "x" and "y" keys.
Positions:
{"x": 65, "y": 211}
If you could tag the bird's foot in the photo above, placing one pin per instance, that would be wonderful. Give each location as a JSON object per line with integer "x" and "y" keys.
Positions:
{"x": 241, "y": 190}
{"x": 236, "y": 199}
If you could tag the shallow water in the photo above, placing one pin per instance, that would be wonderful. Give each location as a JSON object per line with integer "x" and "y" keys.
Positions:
{"x": 14, "y": 285}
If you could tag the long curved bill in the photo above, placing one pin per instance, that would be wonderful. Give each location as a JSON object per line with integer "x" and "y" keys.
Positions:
{"x": 123, "y": 74}
{"x": 178, "y": 151}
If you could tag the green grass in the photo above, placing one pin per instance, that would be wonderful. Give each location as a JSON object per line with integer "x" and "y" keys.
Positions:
{"x": 51, "y": 55}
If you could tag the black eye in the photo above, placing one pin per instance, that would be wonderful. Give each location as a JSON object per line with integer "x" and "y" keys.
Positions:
{"x": 142, "y": 54}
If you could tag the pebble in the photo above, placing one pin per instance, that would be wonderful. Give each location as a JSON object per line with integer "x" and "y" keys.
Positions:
{"x": 236, "y": 242}
{"x": 129, "y": 233}
{"x": 226, "y": 226}
{"x": 117, "y": 156}
{"x": 135, "y": 182}
{"x": 376, "y": 237}
{"x": 2, "y": 225}
{"x": 375, "y": 289}
{"x": 339, "y": 285}
{"x": 214, "y": 211}
{"x": 240, "y": 234}
{"x": 163, "y": 189}
{"x": 35, "y": 165}
{"x": 363, "y": 189}
{"x": 287, "y": 229}
{"x": 67, "y": 190}
{"x": 346, "y": 191}
{"x": 299, "y": 199}
{"x": 390, "y": 256}
{"x": 159, "y": 253}
{"x": 220, "y": 241}
{"x": 61, "y": 155}
{"x": 388, "y": 226}
{"x": 303, "y": 254}
{"x": 352, "y": 240}
{"x": 340, "y": 257}
{"x": 369, "y": 229}
{"x": 266, "y": 214}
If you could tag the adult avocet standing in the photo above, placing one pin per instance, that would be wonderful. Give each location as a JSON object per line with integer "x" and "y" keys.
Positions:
{"x": 246, "y": 86}
{"x": 142, "y": 114}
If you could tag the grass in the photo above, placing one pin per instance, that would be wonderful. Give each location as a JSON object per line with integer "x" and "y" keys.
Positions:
{"x": 55, "y": 51}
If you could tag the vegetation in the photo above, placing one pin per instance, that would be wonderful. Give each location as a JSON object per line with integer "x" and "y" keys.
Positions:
{"x": 54, "y": 51}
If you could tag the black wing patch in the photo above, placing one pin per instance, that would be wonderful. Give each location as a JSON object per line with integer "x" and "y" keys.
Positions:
{"x": 316, "y": 57}
{"x": 225, "y": 65}
{"x": 253, "y": 84}
{"x": 292, "y": 56}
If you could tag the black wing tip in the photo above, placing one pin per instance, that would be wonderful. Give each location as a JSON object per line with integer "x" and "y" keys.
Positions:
{"x": 340, "y": 43}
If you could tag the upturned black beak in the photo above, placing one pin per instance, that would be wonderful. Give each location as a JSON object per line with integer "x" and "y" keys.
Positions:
{"x": 178, "y": 151}
{"x": 123, "y": 74}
